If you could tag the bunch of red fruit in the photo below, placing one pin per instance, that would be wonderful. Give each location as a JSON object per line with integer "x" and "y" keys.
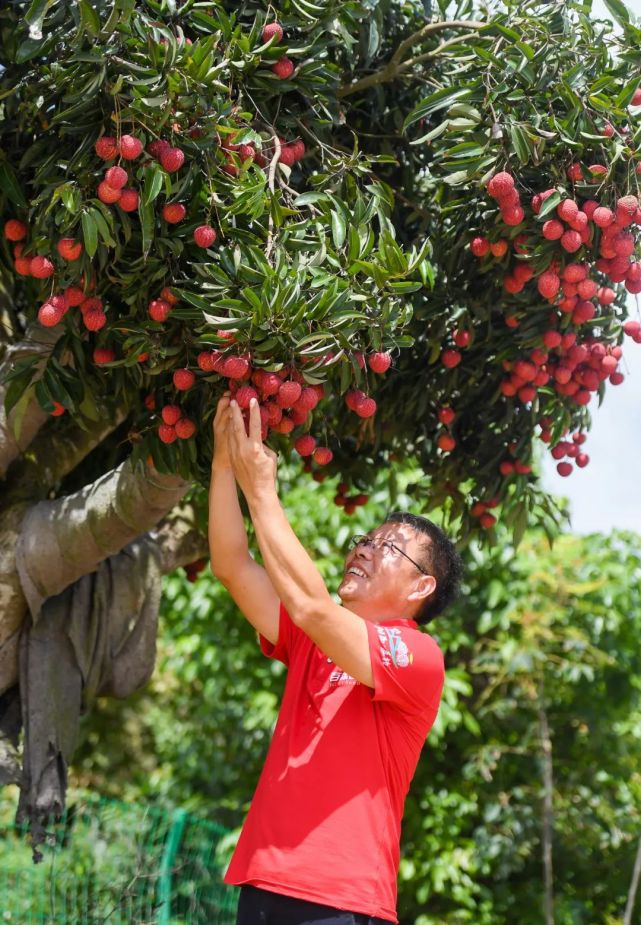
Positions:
{"x": 349, "y": 502}
{"x": 481, "y": 510}
{"x": 570, "y": 448}
{"x": 284, "y": 67}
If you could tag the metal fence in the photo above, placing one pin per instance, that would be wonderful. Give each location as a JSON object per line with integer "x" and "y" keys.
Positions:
{"x": 118, "y": 864}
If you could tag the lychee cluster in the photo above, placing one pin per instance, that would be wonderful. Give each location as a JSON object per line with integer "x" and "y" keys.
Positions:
{"x": 283, "y": 68}
{"x": 349, "y": 503}
{"x": 481, "y": 510}
{"x": 569, "y": 448}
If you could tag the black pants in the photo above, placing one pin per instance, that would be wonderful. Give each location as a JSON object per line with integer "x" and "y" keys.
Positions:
{"x": 262, "y": 907}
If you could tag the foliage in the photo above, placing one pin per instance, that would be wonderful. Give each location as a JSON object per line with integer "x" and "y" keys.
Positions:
{"x": 359, "y": 246}
{"x": 545, "y": 628}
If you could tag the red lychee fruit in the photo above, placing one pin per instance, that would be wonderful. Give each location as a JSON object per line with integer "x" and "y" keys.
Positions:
{"x": 450, "y": 358}
{"x": 106, "y": 148}
{"x": 564, "y": 468}
{"x": 130, "y": 148}
{"x": 204, "y": 235}
{"x": 567, "y": 210}
{"x": 49, "y": 314}
{"x": 166, "y": 433}
{"x": 288, "y": 394}
{"x": 513, "y": 216}
{"x": 174, "y": 212}
{"x": 107, "y": 193}
{"x": 552, "y": 230}
{"x": 172, "y": 159}
{"x": 446, "y": 415}
{"x": 479, "y": 246}
{"x": 636, "y": 98}
{"x": 168, "y": 296}
{"x": 41, "y": 267}
{"x": 287, "y": 156}
{"x": 366, "y": 408}
{"x": 129, "y": 199}
{"x": 235, "y": 367}
{"x": 103, "y": 355}
{"x": 582, "y": 460}
{"x": 283, "y": 68}
{"x": 94, "y": 319}
{"x": 183, "y": 379}
{"x": 116, "y": 177}
{"x": 244, "y": 396}
{"x": 171, "y": 414}
{"x": 15, "y": 230}
{"x": 246, "y": 152}
{"x": 461, "y": 338}
{"x": 298, "y": 149}
{"x": 185, "y": 428}
{"x": 500, "y": 185}
{"x": 602, "y": 217}
{"x": 379, "y": 362}
{"x": 487, "y": 520}
{"x": 571, "y": 241}
{"x": 69, "y": 249}
{"x": 499, "y": 248}
{"x": 273, "y": 30}
{"x": 548, "y": 284}
{"x": 73, "y": 296}
{"x": 323, "y": 455}
{"x": 158, "y": 310}
{"x": 207, "y": 360}
{"x": 156, "y": 147}
{"x": 285, "y": 425}
{"x": 305, "y": 445}
{"x": 446, "y": 443}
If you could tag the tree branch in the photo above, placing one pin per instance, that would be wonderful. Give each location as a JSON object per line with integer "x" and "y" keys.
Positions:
{"x": 38, "y": 340}
{"x": 63, "y": 539}
{"x": 395, "y": 66}
{"x": 179, "y": 538}
{"x": 634, "y": 884}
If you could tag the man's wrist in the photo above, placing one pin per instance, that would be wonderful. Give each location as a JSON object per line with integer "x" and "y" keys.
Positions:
{"x": 218, "y": 465}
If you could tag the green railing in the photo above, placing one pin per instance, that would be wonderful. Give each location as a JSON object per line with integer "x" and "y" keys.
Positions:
{"x": 118, "y": 864}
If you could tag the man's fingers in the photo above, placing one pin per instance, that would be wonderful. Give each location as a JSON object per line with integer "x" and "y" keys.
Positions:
{"x": 254, "y": 422}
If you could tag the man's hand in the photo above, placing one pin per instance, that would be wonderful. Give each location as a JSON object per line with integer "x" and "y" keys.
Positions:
{"x": 222, "y": 459}
{"x": 254, "y": 464}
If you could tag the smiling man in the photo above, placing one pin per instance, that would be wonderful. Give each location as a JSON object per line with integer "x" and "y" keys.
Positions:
{"x": 321, "y": 840}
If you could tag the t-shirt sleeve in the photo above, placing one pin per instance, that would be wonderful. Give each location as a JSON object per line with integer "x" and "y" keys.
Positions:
{"x": 288, "y": 635}
{"x": 407, "y": 666}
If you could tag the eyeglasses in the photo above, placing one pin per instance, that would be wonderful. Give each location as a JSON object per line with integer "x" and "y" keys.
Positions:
{"x": 362, "y": 540}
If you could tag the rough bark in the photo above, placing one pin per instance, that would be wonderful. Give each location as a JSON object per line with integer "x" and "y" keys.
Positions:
{"x": 24, "y": 421}
{"x": 63, "y": 539}
{"x": 634, "y": 885}
{"x": 548, "y": 815}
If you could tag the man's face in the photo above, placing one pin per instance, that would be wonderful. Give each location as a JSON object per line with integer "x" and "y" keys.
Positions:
{"x": 379, "y": 582}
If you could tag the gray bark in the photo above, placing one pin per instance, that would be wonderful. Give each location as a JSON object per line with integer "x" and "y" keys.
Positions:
{"x": 548, "y": 815}
{"x": 634, "y": 885}
{"x": 62, "y": 540}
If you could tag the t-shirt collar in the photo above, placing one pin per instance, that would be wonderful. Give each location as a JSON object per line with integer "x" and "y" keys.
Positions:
{"x": 398, "y": 621}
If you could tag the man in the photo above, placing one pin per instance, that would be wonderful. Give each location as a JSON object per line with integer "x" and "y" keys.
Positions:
{"x": 321, "y": 840}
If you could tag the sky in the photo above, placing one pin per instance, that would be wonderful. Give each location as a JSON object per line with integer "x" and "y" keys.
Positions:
{"x": 607, "y": 493}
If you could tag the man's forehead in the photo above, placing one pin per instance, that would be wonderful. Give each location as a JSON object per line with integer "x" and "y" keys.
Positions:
{"x": 399, "y": 533}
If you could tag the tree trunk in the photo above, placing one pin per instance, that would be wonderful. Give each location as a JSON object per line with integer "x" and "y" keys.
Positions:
{"x": 548, "y": 811}
{"x": 634, "y": 885}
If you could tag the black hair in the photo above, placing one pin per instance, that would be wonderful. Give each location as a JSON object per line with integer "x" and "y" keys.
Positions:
{"x": 441, "y": 558}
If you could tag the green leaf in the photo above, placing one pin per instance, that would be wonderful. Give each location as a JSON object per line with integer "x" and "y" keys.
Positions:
{"x": 618, "y": 10}
{"x": 520, "y": 144}
{"x": 549, "y": 205}
{"x": 339, "y": 229}
{"x": 147, "y": 223}
{"x": 9, "y": 185}
{"x": 89, "y": 233}
{"x": 153, "y": 183}
{"x": 89, "y": 18}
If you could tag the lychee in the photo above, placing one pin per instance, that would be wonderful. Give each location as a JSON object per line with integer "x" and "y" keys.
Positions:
{"x": 130, "y": 147}
{"x": 41, "y": 267}
{"x": 129, "y": 199}
{"x": 366, "y": 408}
{"x": 479, "y": 246}
{"x": 185, "y": 428}
{"x": 450, "y": 358}
{"x": 235, "y": 368}
{"x": 379, "y": 362}
{"x": 159, "y": 310}
{"x": 172, "y": 159}
{"x": 69, "y": 249}
{"x": 305, "y": 445}
{"x": 183, "y": 379}
{"x": 106, "y": 148}
{"x": 288, "y": 394}
{"x": 15, "y": 230}
{"x": 49, "y": 315}
{"x": 446, "y": 443}
{"x": 167, "y": 433}
{"x": 116, "y": 177}
{"x": 174, "y": 212}
{"x": 323, "y": 455}
{"x": 283, "y": 68}
{"x": 204, "y": 235}
{"x": 103, "y": 355}
{"x": 273, "y": 30}
{"x": 107, "y": 193}
{"x": 94, "y": 319}
{"x": 171, "y": 414}
{"x": 500, "y": 185}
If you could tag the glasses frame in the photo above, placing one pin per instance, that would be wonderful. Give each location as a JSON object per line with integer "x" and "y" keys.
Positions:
{"x": 362, "y": 539}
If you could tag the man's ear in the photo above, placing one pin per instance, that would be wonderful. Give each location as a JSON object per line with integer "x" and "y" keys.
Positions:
{"x": 423, "y": 587}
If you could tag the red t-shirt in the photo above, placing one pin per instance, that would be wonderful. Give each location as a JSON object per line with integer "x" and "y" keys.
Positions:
{"x": 324, "y": 824}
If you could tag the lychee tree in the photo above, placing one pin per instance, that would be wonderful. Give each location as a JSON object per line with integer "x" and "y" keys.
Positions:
{"x": 410, "y": 232}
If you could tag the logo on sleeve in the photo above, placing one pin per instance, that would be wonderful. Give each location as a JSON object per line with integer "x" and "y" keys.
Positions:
{"x": 393, "y": 649}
